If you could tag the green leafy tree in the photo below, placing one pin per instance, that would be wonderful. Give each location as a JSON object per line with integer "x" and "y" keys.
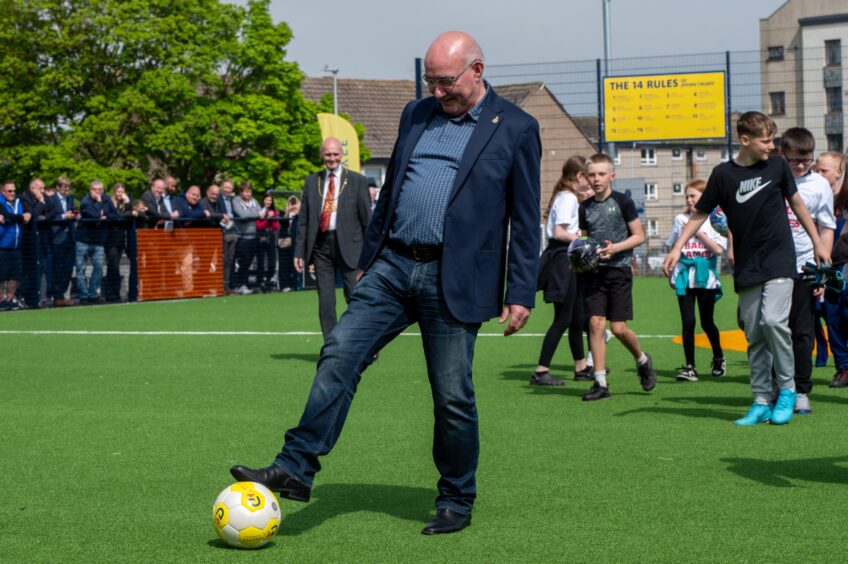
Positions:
{"x": 121, "y": 90}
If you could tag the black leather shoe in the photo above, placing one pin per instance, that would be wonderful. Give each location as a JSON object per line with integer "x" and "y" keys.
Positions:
{"x": 446, "y": 521}
{"x": 275, "y": 478}
{"x": 597, "y": 392}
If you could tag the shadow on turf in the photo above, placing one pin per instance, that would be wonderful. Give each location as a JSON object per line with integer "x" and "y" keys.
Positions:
{"x": 331, "y": 500}
{"x": 306, "y": 357}
{"x": 778, "y": 473}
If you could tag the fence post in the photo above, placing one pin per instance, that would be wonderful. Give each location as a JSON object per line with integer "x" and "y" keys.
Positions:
{"x": 599, "y": 81}
{"x": 728, "y": 107}
{"x": 418, "y": 90}
{"x": 132, "y": 254}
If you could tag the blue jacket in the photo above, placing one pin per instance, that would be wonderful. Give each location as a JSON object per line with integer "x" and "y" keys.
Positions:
{"x": 496, "y": 188}
{"x": 93, "y": 232}
{"x": 187, "y": 211}
{"x": 10, "y": 229}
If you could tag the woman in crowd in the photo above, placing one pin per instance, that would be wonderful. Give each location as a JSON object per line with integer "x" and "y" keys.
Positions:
{"x": 695, "y": 279}
{"x": 556, "y": 279}
{"x": 246, "y": 210}
{"x": 266, "y": 243}
{"x": 116, "y": 243}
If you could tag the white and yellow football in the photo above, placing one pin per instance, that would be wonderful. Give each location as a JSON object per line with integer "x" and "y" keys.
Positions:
{"x": 246, "y": 515}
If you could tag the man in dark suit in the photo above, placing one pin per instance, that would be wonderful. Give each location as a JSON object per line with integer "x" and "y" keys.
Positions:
{"x": 62, "y": 212}
{"x": 463, "y": 174}
{"x": 334, "y": 213}
{"x": 154, "y": 199}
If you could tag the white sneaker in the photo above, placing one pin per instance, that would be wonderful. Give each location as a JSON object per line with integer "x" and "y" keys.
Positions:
{"x": 245, "y": 291}
{"x": 802, "y": 405}
{"x": 607, "y": 335}
{"x": 687, "y": 373}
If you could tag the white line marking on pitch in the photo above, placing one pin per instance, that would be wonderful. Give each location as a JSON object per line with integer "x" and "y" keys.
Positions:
{"x": 245, "y": 333}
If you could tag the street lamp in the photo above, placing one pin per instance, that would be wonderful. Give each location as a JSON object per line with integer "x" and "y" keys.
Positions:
{"x": 335, "y": 91}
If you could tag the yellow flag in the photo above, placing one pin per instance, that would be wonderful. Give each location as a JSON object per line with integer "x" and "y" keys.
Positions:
{"x": 335, "y": 126}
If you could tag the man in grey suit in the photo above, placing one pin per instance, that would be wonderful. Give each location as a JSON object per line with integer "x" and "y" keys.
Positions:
{"x": 334, "y": 213}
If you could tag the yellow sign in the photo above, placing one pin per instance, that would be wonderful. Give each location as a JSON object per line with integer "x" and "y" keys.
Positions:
{"x": 667, "y": 106}
{"x": 334, "y": 126}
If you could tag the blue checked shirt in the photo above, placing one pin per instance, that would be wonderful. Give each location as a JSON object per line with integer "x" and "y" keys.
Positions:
{"x": 423, "y": 199}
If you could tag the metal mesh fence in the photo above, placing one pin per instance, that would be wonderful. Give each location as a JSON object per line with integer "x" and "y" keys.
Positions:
{"x": 796, "y": 87}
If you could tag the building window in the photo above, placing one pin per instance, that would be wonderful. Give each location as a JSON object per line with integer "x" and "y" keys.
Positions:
{"x": 677, "y": 188}
{"x": 700, "y": 154}
{"x": 650, "y": 191}
{"x": 649, "y": 157}
{"x": 775, "y": 53}
{"x": 834, "y": 143}
{"x": 778, "y": 103}
{"x": 833, "y": 52}
{"x": 677, "y": 154}
{"x": 834, "y": 99}
{"x": 653, "y": 231}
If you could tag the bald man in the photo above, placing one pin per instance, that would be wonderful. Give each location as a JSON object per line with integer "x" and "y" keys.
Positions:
{"x": 334, "y": 213}
{"x": 464, "y": 169}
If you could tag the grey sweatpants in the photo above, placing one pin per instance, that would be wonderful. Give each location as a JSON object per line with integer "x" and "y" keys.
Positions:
{"x": 765, "y": 314}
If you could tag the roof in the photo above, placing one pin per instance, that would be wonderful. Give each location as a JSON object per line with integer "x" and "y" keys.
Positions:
{"x": 823, "y": 20}
{"x": 376, "y": 104}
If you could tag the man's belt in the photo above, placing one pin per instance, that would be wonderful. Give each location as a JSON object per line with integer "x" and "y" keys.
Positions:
{"x": 421, "y": 253}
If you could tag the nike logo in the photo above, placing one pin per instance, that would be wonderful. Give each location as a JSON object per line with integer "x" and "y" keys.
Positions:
{"x": 749, "y": 188}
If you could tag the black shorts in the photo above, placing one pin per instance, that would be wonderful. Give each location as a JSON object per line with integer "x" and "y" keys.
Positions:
{"x": 11, "y": 265}
{"x": 608, "y": 292}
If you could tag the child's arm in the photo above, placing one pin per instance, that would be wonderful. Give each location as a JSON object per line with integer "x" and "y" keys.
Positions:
{"x": 821, "y": 253}
{"x": 563, "y": 234}
{"x": 637, "y": 237}
{"x": 698, "y": 218}
{"x": 709, "y": 243}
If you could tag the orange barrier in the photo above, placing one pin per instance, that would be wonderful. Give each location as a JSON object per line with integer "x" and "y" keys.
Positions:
{"x": 182, "y": 263}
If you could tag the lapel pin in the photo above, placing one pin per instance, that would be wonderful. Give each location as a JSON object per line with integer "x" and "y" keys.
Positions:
{"x": 496, "y": 119}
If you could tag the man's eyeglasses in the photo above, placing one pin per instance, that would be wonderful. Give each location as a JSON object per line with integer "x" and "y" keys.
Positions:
{"x": 446, "y": 81}
{"x": 796, "y": 162}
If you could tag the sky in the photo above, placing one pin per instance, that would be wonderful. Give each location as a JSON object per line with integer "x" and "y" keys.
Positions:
{"x": 381, "y": 39}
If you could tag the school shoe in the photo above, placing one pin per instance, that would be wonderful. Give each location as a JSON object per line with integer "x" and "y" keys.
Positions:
{"x": 719, "y": 367}
{"x": 584, "y": 375}
{"x": 687, "y": 373}
{"x": 840, "y": 379}
{"x": 545, "y": 379}
{"x": 13, "y": 305}
{"x": 597, "y": 392}
{"x": 784, "y": 407}
{"x": 757, "y": 413}
{"x": 802, "y": 405}
{"x": 276, "y": 479}
{"x": 647, "y": 376}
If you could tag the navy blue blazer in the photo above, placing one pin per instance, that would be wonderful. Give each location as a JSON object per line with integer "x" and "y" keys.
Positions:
{"x": 496, "y": 192}
{"x": 63, "y": 233}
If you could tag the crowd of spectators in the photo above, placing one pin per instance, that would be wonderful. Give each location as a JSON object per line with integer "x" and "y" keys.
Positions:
{"x": 55, "y": 252}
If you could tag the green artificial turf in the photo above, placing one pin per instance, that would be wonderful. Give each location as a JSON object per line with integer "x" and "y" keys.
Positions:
{"x": 113, "y": 447}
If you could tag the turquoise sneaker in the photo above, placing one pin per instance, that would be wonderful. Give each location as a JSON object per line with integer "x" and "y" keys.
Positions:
{"x": 784, "y": 407}
{"x": 758, "y": 413}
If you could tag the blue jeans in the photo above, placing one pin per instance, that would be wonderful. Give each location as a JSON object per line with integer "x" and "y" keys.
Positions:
{"x": 88, "y": 288}
{"x": 394, "y": 293}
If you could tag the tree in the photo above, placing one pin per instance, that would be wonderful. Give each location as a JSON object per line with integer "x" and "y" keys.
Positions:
{"x": 120, "y": 90}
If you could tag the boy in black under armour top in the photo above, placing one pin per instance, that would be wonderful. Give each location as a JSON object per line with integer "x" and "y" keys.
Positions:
{"x": 750, "y": 190}
{"x": 611, "y": 219}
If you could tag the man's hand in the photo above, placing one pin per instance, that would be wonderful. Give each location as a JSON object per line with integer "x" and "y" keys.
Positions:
{"x": 298, "y": 264}
{"x": 822, "y": 255}
{"x": 359, "y": 273}
{"x": 670, "y": 261}
{"x": 606, "y": 252}
{"x": 175, "y": 214}
{"x": 27, "y": 217}
{"x": 517, "y": 315}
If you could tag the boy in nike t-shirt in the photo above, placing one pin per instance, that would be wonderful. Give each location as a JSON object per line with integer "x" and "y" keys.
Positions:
{"x": 751, "y": 190}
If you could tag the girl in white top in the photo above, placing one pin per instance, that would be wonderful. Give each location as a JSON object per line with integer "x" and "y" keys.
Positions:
{"x": 696, "y": 279}
{"x": 556, "y": 278}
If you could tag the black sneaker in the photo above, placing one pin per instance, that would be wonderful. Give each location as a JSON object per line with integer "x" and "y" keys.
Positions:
{"x": 585, "y": 375}
{"x": 687, "y": 373}
{"x": 840, "y": 379}
{"x": 647, "y": 376}
{"x": 545, "y": 379}
{"x": 719, "y": 367}
{"x": 597, "y": 392}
